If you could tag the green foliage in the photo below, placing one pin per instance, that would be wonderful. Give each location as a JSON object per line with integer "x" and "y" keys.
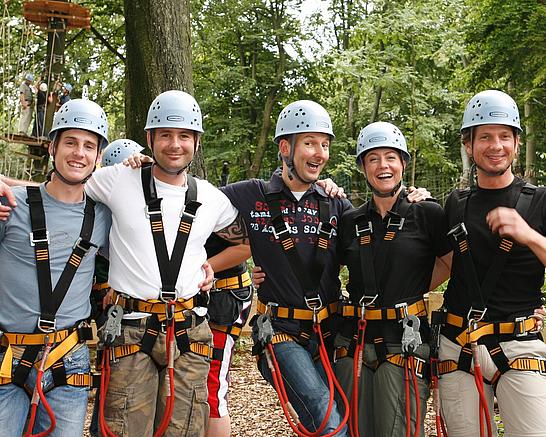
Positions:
{"x": 413, "y": 63}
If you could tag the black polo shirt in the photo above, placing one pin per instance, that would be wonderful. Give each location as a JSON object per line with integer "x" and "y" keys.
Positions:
{"x": 282, "y": 285}
{"x": 517, "y": 290}
{"x": 214, "y": 246}
{"x": 404, "y": 269}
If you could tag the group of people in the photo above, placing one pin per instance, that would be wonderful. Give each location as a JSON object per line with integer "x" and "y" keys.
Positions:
{"x": 355, "y": 364}
{"x": 33, "y": 100}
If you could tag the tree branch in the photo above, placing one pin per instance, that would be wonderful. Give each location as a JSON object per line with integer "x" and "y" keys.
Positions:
{"x": 107, "y": 44}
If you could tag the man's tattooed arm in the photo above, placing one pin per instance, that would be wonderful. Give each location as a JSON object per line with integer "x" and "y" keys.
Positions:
{"x": 235, "y": 232}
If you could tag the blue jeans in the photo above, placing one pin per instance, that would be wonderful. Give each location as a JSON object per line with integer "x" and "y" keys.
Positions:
{"x": 69, "y": 404}
{"x": 306, "y": 385}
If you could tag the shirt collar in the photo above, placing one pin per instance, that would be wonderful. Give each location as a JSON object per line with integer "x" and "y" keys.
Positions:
{"x": 277, "y": 185}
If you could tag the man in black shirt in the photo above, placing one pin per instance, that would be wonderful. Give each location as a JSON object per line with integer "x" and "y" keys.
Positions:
{"x": 498, "y": 229}
{"x": 302, "y": 209}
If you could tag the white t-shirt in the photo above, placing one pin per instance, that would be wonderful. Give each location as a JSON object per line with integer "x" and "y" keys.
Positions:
{"x": 133, "y": 263}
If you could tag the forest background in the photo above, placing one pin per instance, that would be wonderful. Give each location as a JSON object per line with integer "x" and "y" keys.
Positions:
{"x": 413, "y": 63}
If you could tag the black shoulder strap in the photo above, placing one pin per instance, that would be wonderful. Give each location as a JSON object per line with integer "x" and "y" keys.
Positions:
{"x": 479, "y": 295}
{"x": 364, "y": 232}
{"x": 50, "y": 302}
{"x": 309, "y": 280}
{"x": 169, "y": 269}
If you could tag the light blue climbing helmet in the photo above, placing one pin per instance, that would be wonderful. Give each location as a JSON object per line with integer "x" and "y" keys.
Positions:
{"x": 303, "y": 116}
{"x": 175, "y": 109}
{"x": 118, "y": 150}
{"x": 81, "y": 114}
{"x": 381, "y": 134}
{"x": 491, "y": 107}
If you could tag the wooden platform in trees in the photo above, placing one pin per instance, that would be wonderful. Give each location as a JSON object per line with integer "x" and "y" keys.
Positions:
{"x": 40, "y": 12}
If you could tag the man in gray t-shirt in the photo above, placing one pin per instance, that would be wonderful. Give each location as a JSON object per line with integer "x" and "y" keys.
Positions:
{"x": 38, "y": 266}
{"x": 26, "y": 101}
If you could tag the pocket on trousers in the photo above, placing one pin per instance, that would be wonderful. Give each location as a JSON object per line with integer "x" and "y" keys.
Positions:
{"x": 77, "y": 361}
{"x": 199, "y": 412}
{"x": 115, "y": 412}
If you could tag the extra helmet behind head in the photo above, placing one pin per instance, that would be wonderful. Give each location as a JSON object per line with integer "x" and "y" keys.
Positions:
{"x": 175, "y": 109}
{"x": 491, "y": 107}
{"x": 118, "y": 150}
{"x": 381, "y": 134}
{"x": 81, "y": 114}
{"x": 303, "y": 116}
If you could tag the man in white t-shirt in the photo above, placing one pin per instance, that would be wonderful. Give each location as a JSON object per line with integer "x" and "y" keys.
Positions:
{"x": 148, "y": 280}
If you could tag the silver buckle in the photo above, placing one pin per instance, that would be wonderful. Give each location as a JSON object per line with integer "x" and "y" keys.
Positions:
{"x": 268, "y": 308}
{"x": 42, "y": 240}
{"x": 148, "y": 213}
{"x": 187, "y": 214}
{"x": 458, "y": 231}
{"x": 404, "y": 307}
{"x": 519, "y": 328}
{"x": 47, "y": 326}
{"x": 84, "y": 249}
{"x": 284, "y": 231}
{"x": 541, "y": 366}
{"x": 359, "y": 232}
{"x": 366, "y": 301}
{"x": 475, "y": 315}
{"x": 423, "y": 364}
{"x": 167, "y": 296}
{"x": 398, "y": 225}
{"x": 320, "y": 231}
{"x": 313, "y": 303}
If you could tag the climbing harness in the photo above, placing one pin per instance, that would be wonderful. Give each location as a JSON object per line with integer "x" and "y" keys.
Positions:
{"x": 314, "y": 313}
{"x": 168, "y": 313}
{"x": 54, "y": 343}
{"x": 476, "y": 326}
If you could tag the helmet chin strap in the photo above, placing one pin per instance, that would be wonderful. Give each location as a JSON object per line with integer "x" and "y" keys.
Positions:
{"x": 62, "y": 178}
{"x": 384, "y": 194}
{"x": 166, "y": 170}
{"x": 488, "y": 173}
{"x": 290, "y": 164}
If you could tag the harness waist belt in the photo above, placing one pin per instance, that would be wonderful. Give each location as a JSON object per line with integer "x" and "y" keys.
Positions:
{"x": 388, "y": 313}
{"x": 99, "y": 286}
{"x": 519, "y": 328}
{"x": 156, "y": 306}
{"x": 298, "y": 313}
{"x": 233, "y": 282}
{"x": 70, "y": 338}
{"x": 122, "y": 351}
{"x": 232, "y": 330}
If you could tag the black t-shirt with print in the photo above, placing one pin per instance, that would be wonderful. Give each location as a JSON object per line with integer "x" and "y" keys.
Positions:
{"x": 282, "y": 285}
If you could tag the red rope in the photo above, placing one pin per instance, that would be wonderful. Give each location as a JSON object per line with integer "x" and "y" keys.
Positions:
{"x": 169, "y": 377}
{"x": 287, "y": 408}
{"x": 417, "y": 397}
{"x": 478, "y": 379}
{"x": 37, "y": 396}
{"x": 357, "y": 370}
{"x": 440, "y": 425}
{"x": 104, "y": 380}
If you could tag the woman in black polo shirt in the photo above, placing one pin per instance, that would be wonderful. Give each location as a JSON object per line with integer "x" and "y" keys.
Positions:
{"x": 390, "y": 247}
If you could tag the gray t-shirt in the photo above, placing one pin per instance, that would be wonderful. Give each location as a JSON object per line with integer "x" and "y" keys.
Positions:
{"x": 19, "y": 296}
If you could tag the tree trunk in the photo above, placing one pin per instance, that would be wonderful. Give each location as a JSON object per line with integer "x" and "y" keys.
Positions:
{"x": 277, "y": 13}
{"x": 464, "y": 182}
{"x": 158, "y": 37}
{"x": 530, "y": 144}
